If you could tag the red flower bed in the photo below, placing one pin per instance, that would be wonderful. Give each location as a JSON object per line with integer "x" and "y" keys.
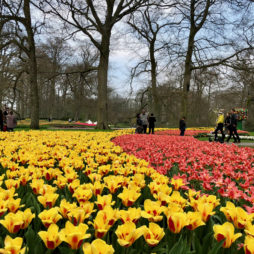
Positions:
{"x": 210, "y": 167}
{"x": 86, "y": 124}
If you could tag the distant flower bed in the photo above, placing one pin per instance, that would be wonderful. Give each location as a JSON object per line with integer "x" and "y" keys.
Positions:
{"x": 86, "y": 124}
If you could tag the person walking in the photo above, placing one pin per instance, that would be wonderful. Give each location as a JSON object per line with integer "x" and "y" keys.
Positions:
{"x": 151, "y": 121}
{"x": 144, "y": 119}
{"x": 227, "y": 122}
{"x": 1, "y": 120}
{"x": 11, "y": 121}
{"x": 182, "y": 126}
{"x": 233, "y": 127}
{"x": 220, "y": 125}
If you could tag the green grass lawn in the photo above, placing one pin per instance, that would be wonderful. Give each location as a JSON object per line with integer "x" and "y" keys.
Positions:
{"x": 243, "y": 140}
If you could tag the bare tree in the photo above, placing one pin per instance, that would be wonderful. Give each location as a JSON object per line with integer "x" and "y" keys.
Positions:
{"x": 148, "y": 23}
{"x": 95, "y": 19}
{"x": 206, "y": 22}
{"x": 17, "y": 14}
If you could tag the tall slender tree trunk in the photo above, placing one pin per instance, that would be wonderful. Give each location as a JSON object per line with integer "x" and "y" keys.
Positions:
{"x": 156, "y": 106}
{"x": 250, "y": 106}
{"x": 102, "y": 103}
{"x": 187, "y": 74}
{"x": 34, "y": 95}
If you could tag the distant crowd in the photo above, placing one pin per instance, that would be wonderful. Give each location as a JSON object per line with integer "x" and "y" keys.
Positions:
{"x": 144, "y": 122}
{"x": 226, "y": 124}
{"x": 230, "y": 124}
{"x": 8, "y": 120}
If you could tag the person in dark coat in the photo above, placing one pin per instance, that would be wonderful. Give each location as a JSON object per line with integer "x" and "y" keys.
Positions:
{"x": 1, "y": 120}
{"x": 233, "y": 127}
{"x": 139, "y": 128}
{"x": 151, "y": 121}
{"x": 182, "y": 126}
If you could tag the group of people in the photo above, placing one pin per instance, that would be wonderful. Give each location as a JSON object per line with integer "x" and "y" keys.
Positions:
{"x": 7, "y": 119}
{"x": 144, "y": 121}
{"x": 230, "y": 123}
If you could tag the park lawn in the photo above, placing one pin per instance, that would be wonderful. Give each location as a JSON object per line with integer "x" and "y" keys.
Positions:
{"x": 207, "y": 139}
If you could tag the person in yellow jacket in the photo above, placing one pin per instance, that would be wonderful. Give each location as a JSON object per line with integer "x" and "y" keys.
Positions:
{"x": 220, "y": 123}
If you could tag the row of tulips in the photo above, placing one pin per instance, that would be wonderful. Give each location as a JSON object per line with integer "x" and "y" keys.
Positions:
{"x": 76, "y": 192}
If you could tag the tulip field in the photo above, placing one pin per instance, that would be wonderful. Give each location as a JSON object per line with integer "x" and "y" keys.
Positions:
{"x": 117, "y": 192}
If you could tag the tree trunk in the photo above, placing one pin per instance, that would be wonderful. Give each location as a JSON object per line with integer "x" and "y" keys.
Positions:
{"x": 187, "y": 74}
{"x": 34, "y": 95}
{"x": 156, "y": 106}
{"x": 102, "y": 103}
{"x": 250, "y": 103}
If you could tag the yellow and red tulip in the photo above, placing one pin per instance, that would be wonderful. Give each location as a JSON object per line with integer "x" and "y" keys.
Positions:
{"x": 225, "y": 233}
{"x": 74, "y": 235}
{"x": 129, "y": 196}
{"x": 127, "y": 233}
{"x": 153, "y": 234}
{"x": 98, "y": 246}
{"x": 13, "y": 246}
{"x": 51, "y": 237}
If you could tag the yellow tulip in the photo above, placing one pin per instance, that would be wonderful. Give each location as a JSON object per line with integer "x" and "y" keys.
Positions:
{"x": 153, "y": 234}
{"x": 14, "y": 205}
{"x": 74, "y": 185}
{"x": 51, "y": 237}
{"x": 225, "y": 232}
{"x": 3, "y": 206}
{"x": 249, "y": 229}
{"x": 48, "y": 200}
{"x": 128, "y": 197}
{"x": 28, "y": 216}
{"x": 162, "y": 197}
{"x": 66, "y": 207}
{"x": 11, "y": 183}
{"x": 112, "y": 183}
{"x": 127, "y": 233}
{"x": 61, "y": 182}
{"x": 103, "y": 201}
{"x": 130, "y": 215}
{"x": 139, "y": 180}
{"x": 206, "y": 210}
{"x": 13, "y": 222}
{"x": 98, "y": 246}
{"x": 13, "y": 246}
{"x": 74, "y": 235}
{"x": 36, "y": 185}
{"x": 82, "y": 195}
{"x": 47, "y": 189}
{"x": 229, "y": 211}
{"x": 87, "y": 208}
{"x": 77, "y": 215}
{"x": 94, "y": 177}
{"x": 248, "y": 245}
{"x": 177, "y": 221}
{"x": 153, "y": 210}
{"x": 98, "y": 188}
{"x": 177, "y": 199}
{"x": 177, "y": 183}
{"x": 195, "y": 220}
{"x": 104, "y": 220}
{"x": 50, "y": 216}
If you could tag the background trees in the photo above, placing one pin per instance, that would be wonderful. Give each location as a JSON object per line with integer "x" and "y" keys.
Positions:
{"x": 191, "y": 57}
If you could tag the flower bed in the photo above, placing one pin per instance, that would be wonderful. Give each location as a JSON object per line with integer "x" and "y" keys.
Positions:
{"x": 73, "y": 192}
